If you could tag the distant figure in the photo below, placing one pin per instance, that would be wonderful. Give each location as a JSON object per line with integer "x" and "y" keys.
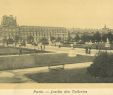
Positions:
{"x": 86, "y": 50}
{"x": 41, "y": 47}
{"x": 89, "y": 51}
{"x": 20, "y": 50}
{"x": 44, "y": 47}
{"x": 96, "y": 46}
{"x": 59, "y": 46}
{"x": 7, "y": 43}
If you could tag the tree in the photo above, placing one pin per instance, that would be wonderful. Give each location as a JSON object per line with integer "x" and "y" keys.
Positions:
{"x": 16, "y": 38}
{"x": 110, "y": 37}
{"x": 44, "y": 41}
{"x": 30, "y": 39}
{"x": 4, "y": 40}
{"x": 102, "y": 65}
{"x": 77, "y": 38}
{"x": 92, "y": 39}
{"x": 97, "y": 37}
{"x": 85, "y": 38}
{"x": 104, "y": 37}
{"x": 10, "y": 41}
{"x": 58, "y": 39}
{"x": 70, "y": 39}
{"x": 52, "y": 38}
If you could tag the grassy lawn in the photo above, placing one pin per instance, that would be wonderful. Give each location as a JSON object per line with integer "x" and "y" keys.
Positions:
{"x": 13, "y": 50}
{"x": 79, "y": 75}
{"x": 40, "y": 60}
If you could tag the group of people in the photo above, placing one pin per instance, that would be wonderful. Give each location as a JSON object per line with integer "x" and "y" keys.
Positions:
{"x": 88, "y": 50}
{"x": 42, "y": 47}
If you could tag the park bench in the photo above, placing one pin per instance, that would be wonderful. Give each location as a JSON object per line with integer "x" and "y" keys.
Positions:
{"x": 56, "y": 67}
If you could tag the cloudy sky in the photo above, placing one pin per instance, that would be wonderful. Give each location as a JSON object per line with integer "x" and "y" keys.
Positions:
{"x": 68, "y": 13}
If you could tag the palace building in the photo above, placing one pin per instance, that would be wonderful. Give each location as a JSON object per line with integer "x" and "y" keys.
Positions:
{"x": 9, "y": 29}
{"x": 39, "y": 32}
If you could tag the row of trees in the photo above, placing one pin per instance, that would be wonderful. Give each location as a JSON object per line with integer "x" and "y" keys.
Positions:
{"x": 96, "y": 37}
{"x": 30, "y": 40}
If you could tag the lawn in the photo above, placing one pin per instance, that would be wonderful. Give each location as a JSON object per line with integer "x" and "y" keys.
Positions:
{"x": 15, "y": 51}
{"x": 78, "y": 75}
{"x": 40, "y": 60}
{"x": 75, "y": 75}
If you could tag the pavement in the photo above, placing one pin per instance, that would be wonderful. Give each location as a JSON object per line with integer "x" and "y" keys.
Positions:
{"x": 68, "y": 50}
{"x": 56, "y": 49}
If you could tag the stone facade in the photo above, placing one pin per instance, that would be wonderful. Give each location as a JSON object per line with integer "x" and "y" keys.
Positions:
{"x": 39, "y": 32}
{"x": 10, "y": 29}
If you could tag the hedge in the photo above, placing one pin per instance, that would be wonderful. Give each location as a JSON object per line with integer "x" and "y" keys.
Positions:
{"x": 102, "y": 65}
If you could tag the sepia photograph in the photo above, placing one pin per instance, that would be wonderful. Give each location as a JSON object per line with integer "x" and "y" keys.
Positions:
{"x": 56, "y": 41}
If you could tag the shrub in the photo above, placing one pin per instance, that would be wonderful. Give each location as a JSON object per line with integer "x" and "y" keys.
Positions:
{"x": 102, "y": 65}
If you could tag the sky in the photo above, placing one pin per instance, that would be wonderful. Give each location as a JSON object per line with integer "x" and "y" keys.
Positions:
{"x": 64, "y": 13}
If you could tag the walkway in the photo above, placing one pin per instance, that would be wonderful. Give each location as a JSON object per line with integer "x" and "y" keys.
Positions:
{"x": 56, "y": 49}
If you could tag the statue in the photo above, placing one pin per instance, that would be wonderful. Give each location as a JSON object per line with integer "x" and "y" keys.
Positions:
{"x": 107, "y": 44}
